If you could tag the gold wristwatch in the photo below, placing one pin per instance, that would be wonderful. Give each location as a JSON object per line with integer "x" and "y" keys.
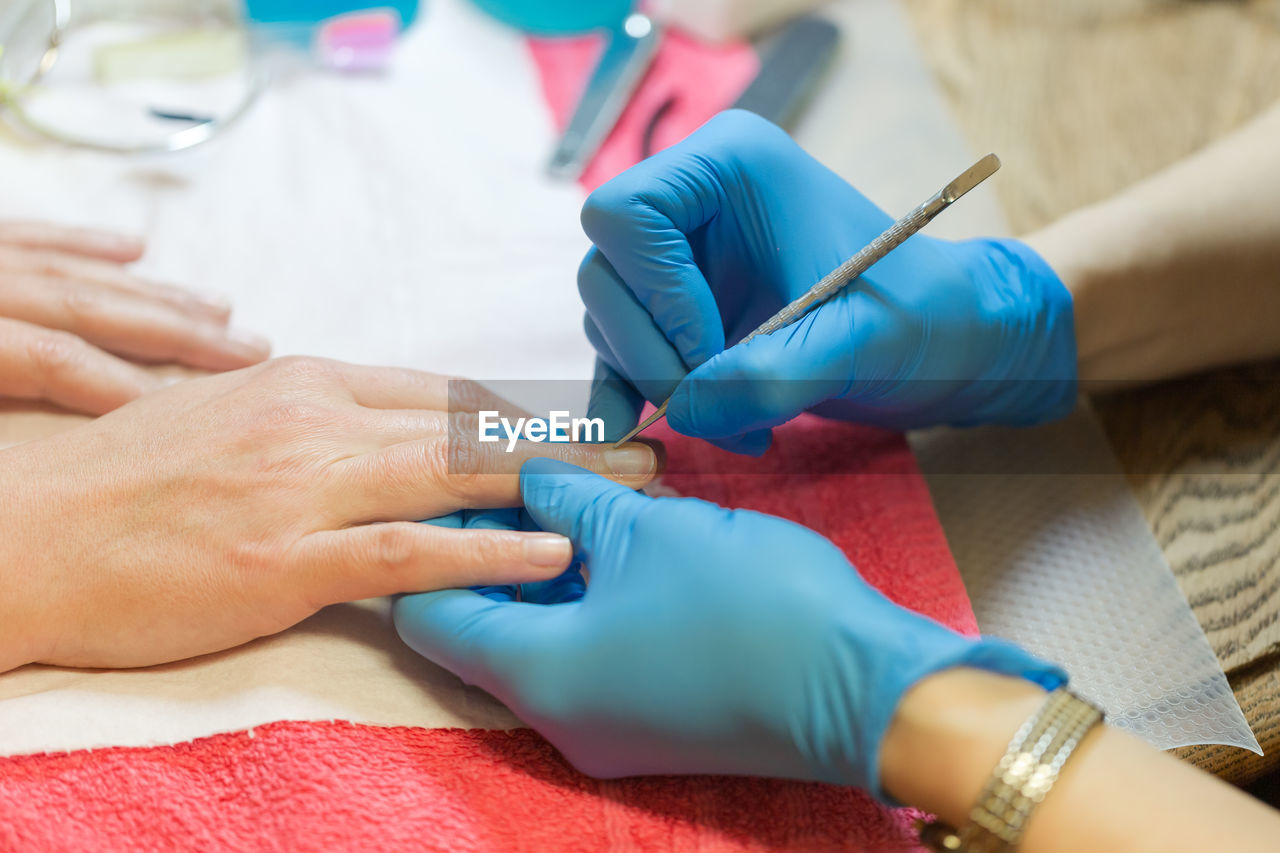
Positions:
{"x": 1021, "y": 780}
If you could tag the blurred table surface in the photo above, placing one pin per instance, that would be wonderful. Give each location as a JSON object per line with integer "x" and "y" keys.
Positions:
{"x": 1082, "y": 99}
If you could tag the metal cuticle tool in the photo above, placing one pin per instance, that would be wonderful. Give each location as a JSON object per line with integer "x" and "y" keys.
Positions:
{"x": 837, "y": 279}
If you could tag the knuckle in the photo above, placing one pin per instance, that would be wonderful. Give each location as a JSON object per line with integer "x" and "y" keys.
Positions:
{"x": 753, "y": 364}
{"x": 486, "y": 549}
{"x": 468, "y": 457}
{"x": 463, "y": 425}
{"x": 744, "y": 121}
{"x": 457, "y": 463}
{"x": 600, "y": 212}
{"x": 760, "y": 133}
{"x": 755, "y": 376}
{"x": 82, "y": 306}
{"x": 290, "y": 415}
{"x": 771, "y": 397}
{"x": 466, "y": 396}
{"x": 55, "y": 354}
{"x": 288, "y": 363}
{"x": 394, "y": 549}
{"x": 302, "y": 370}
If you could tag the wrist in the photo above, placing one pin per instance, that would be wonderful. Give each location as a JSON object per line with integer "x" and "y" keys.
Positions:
{"x": 1097, "y": 261}
{"x": 947, "y": 734}
{"x": 1028, "y": 324}
{"x": 22, "y": 624}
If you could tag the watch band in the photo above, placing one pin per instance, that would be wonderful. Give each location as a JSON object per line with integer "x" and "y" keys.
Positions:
{"x": 1021, "y": 779}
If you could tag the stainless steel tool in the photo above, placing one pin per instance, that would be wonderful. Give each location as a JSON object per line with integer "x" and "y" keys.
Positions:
{"x": 622, "y": 66}
{"x": 838, "y": 278}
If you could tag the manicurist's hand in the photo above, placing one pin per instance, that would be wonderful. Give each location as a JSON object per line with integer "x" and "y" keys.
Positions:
{"x": 698, "y": 245}
{"x": 76, "y": 324}
{"x": 230, "y": 507}
{"x": 707, "y": 641}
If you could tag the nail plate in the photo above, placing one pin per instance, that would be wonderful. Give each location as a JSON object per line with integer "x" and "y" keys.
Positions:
{"x": 547, "y": 549}
{"x": 631, "y": 460}
{"x": 219, "y": 302}
{"x": 252, "y": 340}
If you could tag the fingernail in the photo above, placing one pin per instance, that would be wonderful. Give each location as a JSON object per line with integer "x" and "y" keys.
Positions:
{"x": 631, "y": 460}
{"x": 112, "y": 242}
{"x": 252, "y": 340}
{"x": 219, "y": 302}
{"x": 547, "y": 549}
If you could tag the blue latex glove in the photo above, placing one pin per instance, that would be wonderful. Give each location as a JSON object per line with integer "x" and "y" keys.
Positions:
{"x": 698, "y": 245}
{"x": 708, "y": 641}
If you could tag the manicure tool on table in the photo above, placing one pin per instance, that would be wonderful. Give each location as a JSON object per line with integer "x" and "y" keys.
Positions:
{"x": 837, "y": 279}
{"x": 626, "y": 58}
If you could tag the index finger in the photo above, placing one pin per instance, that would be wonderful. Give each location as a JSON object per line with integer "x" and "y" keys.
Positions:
{"x": 88, "y": 242}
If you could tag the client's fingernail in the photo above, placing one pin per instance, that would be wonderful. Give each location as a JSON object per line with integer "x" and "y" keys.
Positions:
{"x": 111, "y": 241}
{"x": 252, "y": 340}
{"x": 218, "y": 302}
{"x": 631, "y": 460}
{"x": 547, "y": 549}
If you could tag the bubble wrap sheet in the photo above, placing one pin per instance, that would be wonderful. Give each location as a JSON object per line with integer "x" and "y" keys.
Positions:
{"x": 1061, "y": 560}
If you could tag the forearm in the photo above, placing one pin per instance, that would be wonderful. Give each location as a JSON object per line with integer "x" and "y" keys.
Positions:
{"x": 1114, "y": 793}
{"x": 1181, "y": 272}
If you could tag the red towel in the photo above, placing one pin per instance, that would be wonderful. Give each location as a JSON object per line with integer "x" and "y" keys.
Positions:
{"x": 338, "y": 786}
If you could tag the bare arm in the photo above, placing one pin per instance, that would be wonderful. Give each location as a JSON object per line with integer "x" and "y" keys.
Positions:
{"x": 1177, "y": 274}
{"x": 1181, "y": 272}
{"x": 1115, "y": 792}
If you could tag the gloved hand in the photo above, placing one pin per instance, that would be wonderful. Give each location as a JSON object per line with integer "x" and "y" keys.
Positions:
{"x": 693, "y": 651}
{"x": 698, "y": 245}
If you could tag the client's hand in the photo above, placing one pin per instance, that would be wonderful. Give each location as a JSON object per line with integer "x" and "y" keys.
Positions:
{"x": 708, "y": 641}
{"x": 74, "y": 322}
{"x": 230, "y": 507}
